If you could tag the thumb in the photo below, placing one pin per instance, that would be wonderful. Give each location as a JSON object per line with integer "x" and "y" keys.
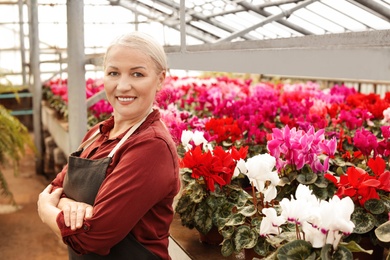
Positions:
{"x": 58, "y": 191}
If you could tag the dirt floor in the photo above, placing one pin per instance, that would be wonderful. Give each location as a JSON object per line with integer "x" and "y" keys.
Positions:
{"x": 22, "y": 234}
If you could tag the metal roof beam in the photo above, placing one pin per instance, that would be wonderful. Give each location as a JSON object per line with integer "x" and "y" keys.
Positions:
{"x": 277, "y": 3}
{"x": 269, "y": 19}
{"x": 264, "y": 13}
{"x": 344, "y": 55}
{"x": 374, "y": 6}
{"x": 194, "y": 32}
{"x": 200, "y": 17}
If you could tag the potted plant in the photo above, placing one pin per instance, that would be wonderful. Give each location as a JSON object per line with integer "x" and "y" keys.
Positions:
{"x": 209, "y": 189}
{"x": 14, "y": 138}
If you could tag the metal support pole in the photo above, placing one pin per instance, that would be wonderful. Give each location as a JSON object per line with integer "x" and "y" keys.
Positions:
{"x": 21, "y": 38}
{"x": 77, "y": 108}
{"x": 182, "y": 26}
{"x": 36, "y": 87}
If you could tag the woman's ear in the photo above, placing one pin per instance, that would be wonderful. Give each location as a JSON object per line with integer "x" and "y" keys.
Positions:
{"x": 161, "y": 79}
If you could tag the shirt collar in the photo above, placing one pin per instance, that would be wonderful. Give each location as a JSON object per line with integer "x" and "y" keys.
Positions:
{"x": 108, "y": 124}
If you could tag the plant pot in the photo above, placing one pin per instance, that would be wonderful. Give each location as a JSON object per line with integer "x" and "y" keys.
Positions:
{"x": 213, "y": 237}
{"x": 251, "y": 254}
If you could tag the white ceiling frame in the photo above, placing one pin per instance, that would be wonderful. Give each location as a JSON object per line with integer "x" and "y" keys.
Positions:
{"x": 358, "y": 55}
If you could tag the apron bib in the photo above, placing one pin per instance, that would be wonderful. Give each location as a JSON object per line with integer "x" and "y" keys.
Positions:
{"x": 82, "y": 182}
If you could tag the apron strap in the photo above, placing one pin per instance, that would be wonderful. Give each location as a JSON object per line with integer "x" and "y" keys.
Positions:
{"x": 127, "y": 135}
{"x": 89, "y": 141}
{"x": 93, "y": 137}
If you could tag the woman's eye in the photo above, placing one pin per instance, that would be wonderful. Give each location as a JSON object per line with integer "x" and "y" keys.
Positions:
{"x": 112, "y": 73}
{"x": 137, "y": 74}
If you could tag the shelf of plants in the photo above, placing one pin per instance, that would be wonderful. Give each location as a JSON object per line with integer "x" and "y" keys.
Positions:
{"x": 275, "y": 168}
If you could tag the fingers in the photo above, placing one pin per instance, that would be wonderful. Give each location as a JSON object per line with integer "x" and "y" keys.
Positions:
{"x": 75, "y": 213}
{"x": 48, "y": 188}
{"x": 88, "y": 212}
{"x": 66, "y": 210}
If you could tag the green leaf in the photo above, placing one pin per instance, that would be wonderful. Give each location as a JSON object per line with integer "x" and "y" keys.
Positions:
{"x": 342, "y": 253}
{"x": 244, "y": 237}
{"x": 383, "y": 232}
{"x": 282, "y": 237}
{"x": 227, "y": 232}
{"x": 262, "y": 248}
{"x": 326, "y": 251}
{"x": 321, "y": 181}
{"x": 363, "y": 220}
{"x": 222, "y": 214}
{"x": 386, "y": 201}
{"x": 242, "y": 198}
{"x": 375, "y": 206}
{"x": 320, "y": 193}
{"x": 14, "y": 139}
{"x": 202, "y": 218}
{"x": 352, "y": 246}
{"x": 235, "y": 220}
{"x": 227, "y": 247}
{"x": 183, "y": 203}
{"x": 295, "y": 250}
{"x": 196, "y": 192}
{"x": 248, "y": 211}
{"x": 306, "y": 175}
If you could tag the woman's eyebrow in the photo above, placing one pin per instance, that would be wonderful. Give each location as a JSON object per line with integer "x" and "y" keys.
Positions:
{"x": 138, "y": 67}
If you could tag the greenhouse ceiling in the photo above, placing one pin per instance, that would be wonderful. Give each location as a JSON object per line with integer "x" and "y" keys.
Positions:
{"x": 220, "y": 20}
{"x": 313, "y": 38}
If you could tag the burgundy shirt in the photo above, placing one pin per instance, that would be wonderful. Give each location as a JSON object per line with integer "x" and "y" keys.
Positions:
{"x": 137, "y": 193}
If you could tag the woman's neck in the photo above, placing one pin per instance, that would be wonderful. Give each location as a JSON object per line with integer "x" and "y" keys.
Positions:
{"x": 121, "y": 125}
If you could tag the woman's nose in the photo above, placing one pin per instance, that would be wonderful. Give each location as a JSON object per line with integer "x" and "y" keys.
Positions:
{"x": 124, "y": 83}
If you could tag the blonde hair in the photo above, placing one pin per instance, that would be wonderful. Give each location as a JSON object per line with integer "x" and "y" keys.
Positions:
{"x": 144, "y": 43}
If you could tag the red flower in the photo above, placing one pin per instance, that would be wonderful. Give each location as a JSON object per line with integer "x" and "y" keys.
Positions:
{"x": 224, "y": 129}
{"x": 378, "y": 167}
{"x": 357, "y": 184}
{"x": 216, "y": 167}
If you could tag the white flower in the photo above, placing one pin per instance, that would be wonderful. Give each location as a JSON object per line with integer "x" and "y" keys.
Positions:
{"x": 337, "y": 223}
{"x": 240, "y": 168}
{"x": 299, "y": 209}
{"x": 271, "y": 222}
{"x": 313, "y": 235}
{"x": 259, "y": 170}
{"x": 186, "y": 137}
{"x": 197, "y": 137}
{"x": 386, "y": 116}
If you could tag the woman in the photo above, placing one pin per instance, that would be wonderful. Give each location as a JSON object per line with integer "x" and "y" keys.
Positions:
{"x": 113, "y": 200}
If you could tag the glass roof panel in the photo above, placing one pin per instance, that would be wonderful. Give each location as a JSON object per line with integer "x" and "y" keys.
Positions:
{"x": 207, "y": 21}
{"x": 298, "y": 20}
{"x": 319, "y": 20}
{"x": 359, "y": 14}
{"x": 342, "y": 19}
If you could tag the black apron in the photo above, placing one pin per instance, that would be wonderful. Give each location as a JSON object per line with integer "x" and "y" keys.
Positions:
{"x": 82, "y": 183}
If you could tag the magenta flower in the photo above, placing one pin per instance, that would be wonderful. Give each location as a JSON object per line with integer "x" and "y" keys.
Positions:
{"x": 298, "y": 148}
{"x": 365, "y": 141}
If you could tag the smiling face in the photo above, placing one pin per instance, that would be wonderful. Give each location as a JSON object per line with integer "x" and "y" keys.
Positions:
{"x": 131, "y": 81}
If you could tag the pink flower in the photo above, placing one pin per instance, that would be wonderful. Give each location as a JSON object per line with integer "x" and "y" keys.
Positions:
{"x": 297, "y": 148}
{"x": 365, "y": 141}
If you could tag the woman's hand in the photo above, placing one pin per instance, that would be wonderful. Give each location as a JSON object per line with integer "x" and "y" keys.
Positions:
{"x": 75, "y": 212}
{"x": 47, "y": 207}
{"x": 47, "y": 202}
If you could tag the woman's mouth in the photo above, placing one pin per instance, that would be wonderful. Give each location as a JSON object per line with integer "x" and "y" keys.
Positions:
{"x": 125, "y": 99}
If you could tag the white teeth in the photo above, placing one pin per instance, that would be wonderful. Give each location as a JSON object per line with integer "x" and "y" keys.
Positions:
{"x": 125, "y": 99}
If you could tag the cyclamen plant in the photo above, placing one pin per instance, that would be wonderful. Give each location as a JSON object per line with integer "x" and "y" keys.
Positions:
{"x": 311, "y": 223}
{"x": 209, "y": 187}
{"x": 302, "y": 157}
